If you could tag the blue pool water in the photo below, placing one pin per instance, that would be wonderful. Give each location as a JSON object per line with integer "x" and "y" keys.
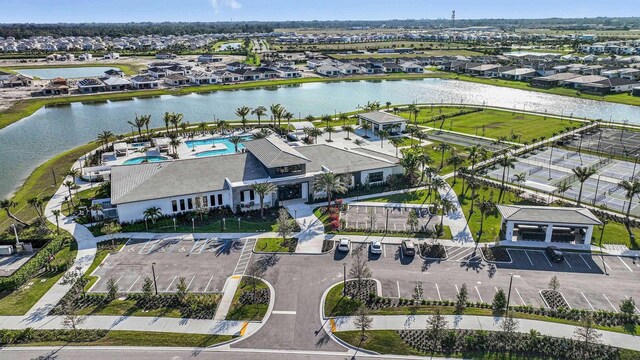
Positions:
{"x": 230, "y": 148}
{"x": 142, "y": 159}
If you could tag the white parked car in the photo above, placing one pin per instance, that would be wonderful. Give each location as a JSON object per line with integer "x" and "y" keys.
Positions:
{"x": 376, "y": 247}
{"x": 343, "y": 244}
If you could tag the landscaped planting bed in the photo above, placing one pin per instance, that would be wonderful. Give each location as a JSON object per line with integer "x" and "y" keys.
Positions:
{"x": 554, "y": 299}
{"x": 261, "y": 296}
{"x": 327, "y": 245}
{"x": 251, "y": 300}
{"x": 526, "y": 344}
{"x": 433, "y": 251}
{"x": 496, "y": 254}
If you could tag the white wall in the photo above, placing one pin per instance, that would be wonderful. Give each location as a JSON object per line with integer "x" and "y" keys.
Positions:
{"x": 385, "y": 173}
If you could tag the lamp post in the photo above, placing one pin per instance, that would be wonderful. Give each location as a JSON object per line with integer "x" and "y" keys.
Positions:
{"x": 386, "y": 226}
{"x": 604, "y": 265}
{"x": 509, "y": 293}
{"x": 633, "y": 173}
{"x": 597, "y": 186}
{"x": 174, "y": 224}
{"x": 146, "y": 226}
{"x": 344, "y": 279}
{"x": 193, "y": 224}
{"x": 153, "y": 271}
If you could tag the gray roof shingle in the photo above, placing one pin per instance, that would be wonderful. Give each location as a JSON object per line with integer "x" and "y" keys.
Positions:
{"x": 340, "y": 161}
{"x": 576, "y": 216}
{"x": 273, "y": 152}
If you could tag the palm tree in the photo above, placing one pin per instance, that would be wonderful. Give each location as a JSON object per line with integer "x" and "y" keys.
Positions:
{"x": 262, "y": 189}
{"x": 104, "y": 137}
{"x": 174, "y": 142}
{"x": 7, "y": 204}
{"x": 520, "y": 178}
{"x": 410, "y": 110}
{"x": 455, "y": 160}
{"x": 473, "y": 184}
{"x": 366, "y": 126}
{"x": 396, "y": 142}
{"x": 563, "y": 187}
{"x": 344, "y": 118}
{"x": 436, "y": 184}
{"x": 202, "y": 126}
{"x": 410, "y": 162}
{"x": 329, "y": 130}
{"x": 288, "y": 116}
{"x": 242, "y": 112}
{"x": 262, "y": 133}
{"x": 260, "y": 111}
{"x": 309, "y": 118}
{"x": 388, "y": 104}
{"x": 235, "y": 140}
{"x": 382, "y": 134}
{"x": 56, "y": 214}
{"x": 442, "y": 147}
{"x": 485, "y": 207}
{"x": 36, "y": 203}
{"x": 176, "y": 119}
{"x": 505, "y": 161}
{"x": 329, "y": 183}
{"x": 70, "y": 185}
{"x": 167, "y": 120}
{"x": 348, "y": 129}
{"x": 152, "y": 213}
{"x": 74, "y": 173}
{"x": 425, "y": 159}
{"x": 446, "y": 205}
{"x": 631, "y": 189}
{"x": 276, "y": 112}
{"x": 315, "y": 133}
{"x": 583, "y": 174}
{"x": 146, "y": 120}
{"x": 222, "y": 126}
{"x": 138, "y": 123}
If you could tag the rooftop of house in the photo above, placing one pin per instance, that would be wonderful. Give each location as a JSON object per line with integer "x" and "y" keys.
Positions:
{"x": 548, "y": 214}
{"x": 340, "y": 161}
{"x": 273, "y": 152}
{"x": 381, "y": 117}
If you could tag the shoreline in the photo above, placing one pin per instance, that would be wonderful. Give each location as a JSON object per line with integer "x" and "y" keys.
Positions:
{"x": 24, "y": 108}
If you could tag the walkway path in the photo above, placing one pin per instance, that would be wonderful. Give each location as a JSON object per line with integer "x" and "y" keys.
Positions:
{"x": 311, "y": 235}
{"x": 455, "y": 219}
{"x": 472, "y": 322}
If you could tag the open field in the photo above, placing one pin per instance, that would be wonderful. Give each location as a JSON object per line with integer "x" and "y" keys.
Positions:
{"x": 128, "y": 69}
{"x": 419, "y": 52}
{"x": 371, "y": 45}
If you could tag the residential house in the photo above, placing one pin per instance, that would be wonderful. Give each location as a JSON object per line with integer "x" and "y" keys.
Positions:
{"x": 116, "y": 83}
{"x": 144, "y": 82}
{"x": 202, "y": 77}
{"x": 17, "y": 81}
{"x": 176, "y": 80}
{"x": 520, "y": 74}
{"x": 389, "y": 67}
{"x": 90, "y": 85}
{"x": 328, "y": 70}
{"x": 411, "y": 67}
{"x": 57, "y": 86}
{"x": 607, "y": 86}
{"x": 289, "y": 72}
{"x": 349, "y": 69}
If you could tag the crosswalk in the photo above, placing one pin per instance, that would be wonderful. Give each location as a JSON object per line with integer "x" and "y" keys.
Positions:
{"x": 245, "y": 257}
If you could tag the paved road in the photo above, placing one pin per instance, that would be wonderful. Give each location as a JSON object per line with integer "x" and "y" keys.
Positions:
{"x": 71, "y": 353}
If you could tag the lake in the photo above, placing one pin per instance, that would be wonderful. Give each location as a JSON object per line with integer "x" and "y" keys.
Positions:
{"x": 65, "y": 72}
{"x": 51, "y": 130}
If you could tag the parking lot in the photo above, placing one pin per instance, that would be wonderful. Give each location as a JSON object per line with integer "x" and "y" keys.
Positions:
{"x": 360, "y": 216}
{"x": 204, "y": 263}
{"x": 587, "y": 281}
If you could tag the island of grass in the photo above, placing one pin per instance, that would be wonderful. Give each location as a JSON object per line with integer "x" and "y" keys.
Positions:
{"x": 276, "y": 245}
{"x": 128, "y": 69}
{"x": 251, "y": 300}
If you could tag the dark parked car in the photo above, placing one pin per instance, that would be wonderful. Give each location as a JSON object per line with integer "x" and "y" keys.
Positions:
{"x": 554, "y": 254}
{"x": 408, "y": 248}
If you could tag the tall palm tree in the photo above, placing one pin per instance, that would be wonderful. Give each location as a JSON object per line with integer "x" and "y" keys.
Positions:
{"x": 7, "y": 204}
{"x": 276, "y": 112}
{"x": 583, "y": 174}
{"x": 520, "y": 178}
{"x": 73, "y": 173}
{"x": 152, "y": 213}
{"x": 146, "y": 120}
{"x": 288, "y": 116}
{"x": 366, "y": 126}
{"x": 383, "y": 134}
{"x": 329, "y": 183}
{"x": 455, "y": 160}
{"x": 442, "y": 147}
{"x": 348, "y": 129}
{"x": 203, "y": 126}
{"x": 235, "y": 140}
{"x": 436, "y": 184}
{"x": 222, "y": 126}
{"x": 174, "y": 142}
{"x": 344, "y": 118}
{"x": 56, "y": 215}
{"x": 396, "y": 142}
{"x": 505, "y": 161}
{"x": 167, "y": 120}
{"x": 260, "y": 111}
{"x": 410, "y": 110}
{"x": 563, "y": 187}
{"x": 176, "y": 119}
{"x": 425, "y": 159}
{"x": 315, "y": 133}
{"x": 473, "y": 184}
{"x": 262, "y": 189}
{"x": 410, "y": 163}
{"x": 37, "y": 203}
{"x": 242, "y": 112}
{"x": 631, "y": 189}
{"x": 138, "y": 123}
{"x": 104, "y": 138}
{"x": 446, "y": 205}
{"x": 329, "y": 130}
{"x": 70, "y": 185}
{"x": 485, "y": 207}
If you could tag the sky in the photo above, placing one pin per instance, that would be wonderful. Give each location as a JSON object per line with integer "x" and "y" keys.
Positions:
{"x": 53, "y": 11}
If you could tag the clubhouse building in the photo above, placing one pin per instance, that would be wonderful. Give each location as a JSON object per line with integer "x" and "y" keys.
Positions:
{"x": 178, "y": 186}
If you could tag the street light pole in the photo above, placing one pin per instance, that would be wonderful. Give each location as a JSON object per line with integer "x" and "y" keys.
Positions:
{"x": 344, "y": 279}
{"x": 386, "y": 226}
{"x": 509, "y": 294}
{"x": 153, "y": 271}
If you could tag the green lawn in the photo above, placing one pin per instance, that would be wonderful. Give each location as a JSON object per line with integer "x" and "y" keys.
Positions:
{"x": 146, "y": 338}
{"x": 241, "y": 312}
{"x": 337, "y": 305}
{"x": 40, "y": 183}
{"x": 128, "y": 69}
{"x": 21, "y": 300}
{"x": 427, "y": 113}
{"x": 436, "y": 155}
{"x": 128, "y": 308}
{"x": 101, "y": 254}
{"x": 83, "y": 198}
{"x": 516, "y": 127}
{"x": 411, "y": 197}
{"x": 273, "y": 245}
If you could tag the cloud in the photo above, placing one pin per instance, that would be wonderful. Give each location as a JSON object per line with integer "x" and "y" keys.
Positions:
{"x": 231, "y": 4}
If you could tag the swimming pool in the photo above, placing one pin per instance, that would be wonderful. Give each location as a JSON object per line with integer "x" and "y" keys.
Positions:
{"x": 142, "y": 159}
{"x": 229, "y": 148}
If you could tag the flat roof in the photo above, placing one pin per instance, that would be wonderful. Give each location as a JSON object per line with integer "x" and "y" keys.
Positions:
{"x": 381, "y": 117}
{"x": 548, "y": 214}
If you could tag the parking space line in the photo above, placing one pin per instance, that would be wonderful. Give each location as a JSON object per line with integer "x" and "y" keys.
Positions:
{"x": 588, "y": 302}
{"x": 457, "y": 291}
{"x": 145, "y": 246}
{"x": 131, "y": 287}
{"x": 625, "y": 264}
{"x": 171, "y": 283}
{"x": 438, "y": 290}
{"x": 585, "y": 261}
{"x": 478, "y": 291}
{"x": 605, "y": 264}
{"x": 194, "y": 246}
{"x": 119, "y": 279}
{"x": 531, "y": 262}
{"x": 209, "y": 283}
{"x": 384, "y": 250}
{"x": 188, "y": 286}
{"x": 614, "y": 308}
{"x": 520, "y": 296}
{"x": 567, "y": 261}
{"x": 398, "y": 284}
{"x": 638, "y": 310}
{"x": 547, "y": 258}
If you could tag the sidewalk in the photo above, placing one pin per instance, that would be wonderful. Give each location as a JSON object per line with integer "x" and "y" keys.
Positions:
{"x": 456, "y": 219}
{"x": 471, "y": 322}
{"x": 311, "y": 235}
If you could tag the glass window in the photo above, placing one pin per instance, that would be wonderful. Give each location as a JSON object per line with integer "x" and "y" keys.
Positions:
{"x": 213, "y": 200}
{"x": 181, "y": 204}
{"x": 219, "y": 199}
{"x": 205, "y": 201}
{"x": 174, "y": 205}
{"x": 376, "y": 177}
{"x": 190, "y": 203}
{"x": 252, "y": 196}
{"x": 242, "y": 196}
{"x": 289, "y": 169}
